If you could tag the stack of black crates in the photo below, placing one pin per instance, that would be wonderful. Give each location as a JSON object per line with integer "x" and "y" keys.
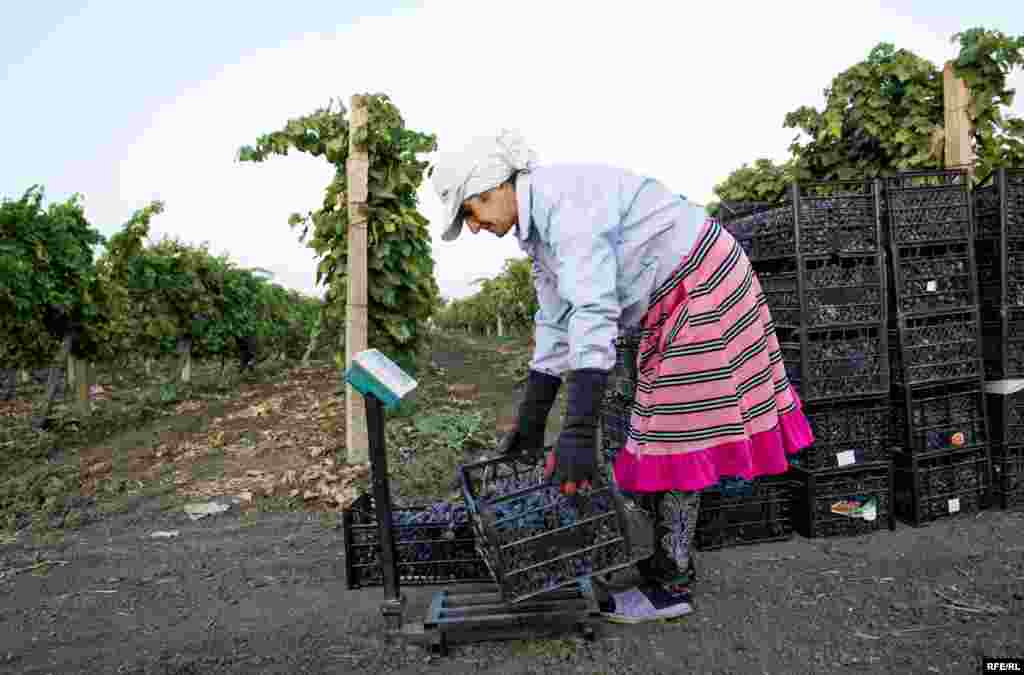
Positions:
{"x": 820, "y": 258}
{"x": 999, "y": 242}
{"x": 938, "y": 424}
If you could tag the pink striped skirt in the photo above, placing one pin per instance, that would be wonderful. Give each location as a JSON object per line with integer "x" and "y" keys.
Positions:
{"x": 712, "y": 395}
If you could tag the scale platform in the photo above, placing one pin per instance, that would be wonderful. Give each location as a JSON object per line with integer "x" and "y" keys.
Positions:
{"x": 480, "y": 616}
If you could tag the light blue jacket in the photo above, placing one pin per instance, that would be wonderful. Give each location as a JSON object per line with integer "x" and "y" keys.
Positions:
{"x": 601, "y": 239}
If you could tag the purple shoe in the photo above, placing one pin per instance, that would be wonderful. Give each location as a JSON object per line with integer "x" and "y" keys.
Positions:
{"x": 649, "y": 602}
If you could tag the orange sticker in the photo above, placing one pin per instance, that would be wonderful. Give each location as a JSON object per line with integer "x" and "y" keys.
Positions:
{"x": 958, "y": 439}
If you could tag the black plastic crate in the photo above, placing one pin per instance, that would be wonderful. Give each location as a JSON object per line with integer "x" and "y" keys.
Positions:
{"x": 434, "y": 544}
{"x": 837, "y": 290}
{"x": 999, "y": 204}
{"x": 942, "y": 484}
{"x": 948, "y": 417}
{"x": 1001, "y": 271}
{"x": 536, "y": 540}
{"x": 778, "y": 279}
{"x": 766, "y": 514}
{"x": 936, "y": 348}
{"x": 937, "y": 277}
{"x": 928, "y": 206}
{"x": 1008, "y": 476}
{"x": 1002, "y": 333}
{"x": 821, "y": 492}
{"x": 838, "y": 217}
{"x": 1005, "y": 415}
{"x": 835, "y": 363}
{"x": 846, "y": 433}
{"x": 766, "y": 233}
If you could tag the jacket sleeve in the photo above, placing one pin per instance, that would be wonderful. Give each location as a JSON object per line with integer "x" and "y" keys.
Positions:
{"x": 551, "y": 354}
{"x": 582, "y": 235}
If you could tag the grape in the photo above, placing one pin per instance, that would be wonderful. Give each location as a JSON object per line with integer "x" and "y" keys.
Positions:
{"x": 535, "y": 528}
{"x": 439, "y": 534}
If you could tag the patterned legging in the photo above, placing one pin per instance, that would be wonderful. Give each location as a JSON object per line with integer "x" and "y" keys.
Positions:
{"x": 670, "y": 516}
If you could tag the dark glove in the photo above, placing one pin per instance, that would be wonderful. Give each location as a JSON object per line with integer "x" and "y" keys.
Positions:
{"x": 575, "y": 456}
{"x": 528, "y": 436}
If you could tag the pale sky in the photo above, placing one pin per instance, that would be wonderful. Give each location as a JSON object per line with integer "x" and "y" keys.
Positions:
{"x": 127, "y": 102}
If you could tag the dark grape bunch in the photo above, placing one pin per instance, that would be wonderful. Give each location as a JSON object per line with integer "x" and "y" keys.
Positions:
{"x": 842, "y": 223}
{"x": 962, "y": 481}
{"x": 837, "y": 367}
{"x": 773, "y": 233}
{"x": 950, "y": 220}
{"x": 853, "y": 272}
{"x": 433, "y": 543}
{"x": 958, "y": 328}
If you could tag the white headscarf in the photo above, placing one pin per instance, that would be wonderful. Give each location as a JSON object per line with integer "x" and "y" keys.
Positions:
{"x": 483, "y": 164}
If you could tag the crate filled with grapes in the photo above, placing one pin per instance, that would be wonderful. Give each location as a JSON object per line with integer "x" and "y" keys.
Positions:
{"x": 846, "y": 433}
{"x": 434, "y": 544}
{"x": 766, "y": 233}
{"x": 936, "y": 348}
{"x": 948, "y": 417}
{"x": 999, "y": 220}
{"x": 837, "y": 363}
{"x": 1008, "y": 476}
{"x": 1002, "y": 332}
{"x": 838, "y": 217}
{"x": 762, "y": 513}
{"x": 851, "y": 501}
{"x": 943, "y": 484}
{"x": 928, "y": 206}
{"x": 534, "y": 539}
{"x": 937, "y": 277}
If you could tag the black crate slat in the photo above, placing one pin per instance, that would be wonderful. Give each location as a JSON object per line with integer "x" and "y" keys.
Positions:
{"x": 762, "y": 516}
{"x": 934, "y": 277}
{"x": 949, "y": 417}
{"x": 928, "y": 206}
{"x": 1008, "y": 476}
{"x": 427, "y": 553}
{"x": 999, "y": 218}
{"x": 1003, "y": 343}
{"x": 846, "y": 433}
{"x": 929, "y": 349}
{"x": 835, "y": 363}
{"x": 837, "y": 290}
{"x": 1001, "y": 272}
{"x": 821, "y": 490}
{"x": 941, "y": 484}
{"x": 838, "y": 217}
{"x": 1006, "y": 417}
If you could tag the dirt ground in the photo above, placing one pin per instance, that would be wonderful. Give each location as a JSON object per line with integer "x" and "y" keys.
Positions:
{"x": 261, "y": 590}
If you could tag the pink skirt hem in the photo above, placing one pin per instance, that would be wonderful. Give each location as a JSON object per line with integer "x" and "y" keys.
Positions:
{"x": 764, "y": 454}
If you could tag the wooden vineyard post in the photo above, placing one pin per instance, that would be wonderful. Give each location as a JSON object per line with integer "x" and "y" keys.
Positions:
{"x": 356, "y": 321}
{"x": 958, "y": 151}
{"x": 82, "y": 386}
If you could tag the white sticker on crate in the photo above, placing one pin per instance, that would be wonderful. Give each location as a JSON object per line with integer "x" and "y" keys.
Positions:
{"x": 954, "y": 505}
{"x": 932, "y": 286}
{"x": 846, "y": 458}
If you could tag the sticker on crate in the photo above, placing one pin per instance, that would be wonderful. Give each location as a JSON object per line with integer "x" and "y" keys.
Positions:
{"x": 865, "y": 508}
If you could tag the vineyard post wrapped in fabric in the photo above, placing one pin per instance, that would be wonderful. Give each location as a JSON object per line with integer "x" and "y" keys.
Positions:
{"x": 615, "y": 254}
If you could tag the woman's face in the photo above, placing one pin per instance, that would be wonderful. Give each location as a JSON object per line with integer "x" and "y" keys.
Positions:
{"x": 495, "y": 211}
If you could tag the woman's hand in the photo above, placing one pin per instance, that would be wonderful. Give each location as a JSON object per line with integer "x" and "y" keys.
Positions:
{"x": 568, "y": 488}
{"x": 573, "y": 462}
